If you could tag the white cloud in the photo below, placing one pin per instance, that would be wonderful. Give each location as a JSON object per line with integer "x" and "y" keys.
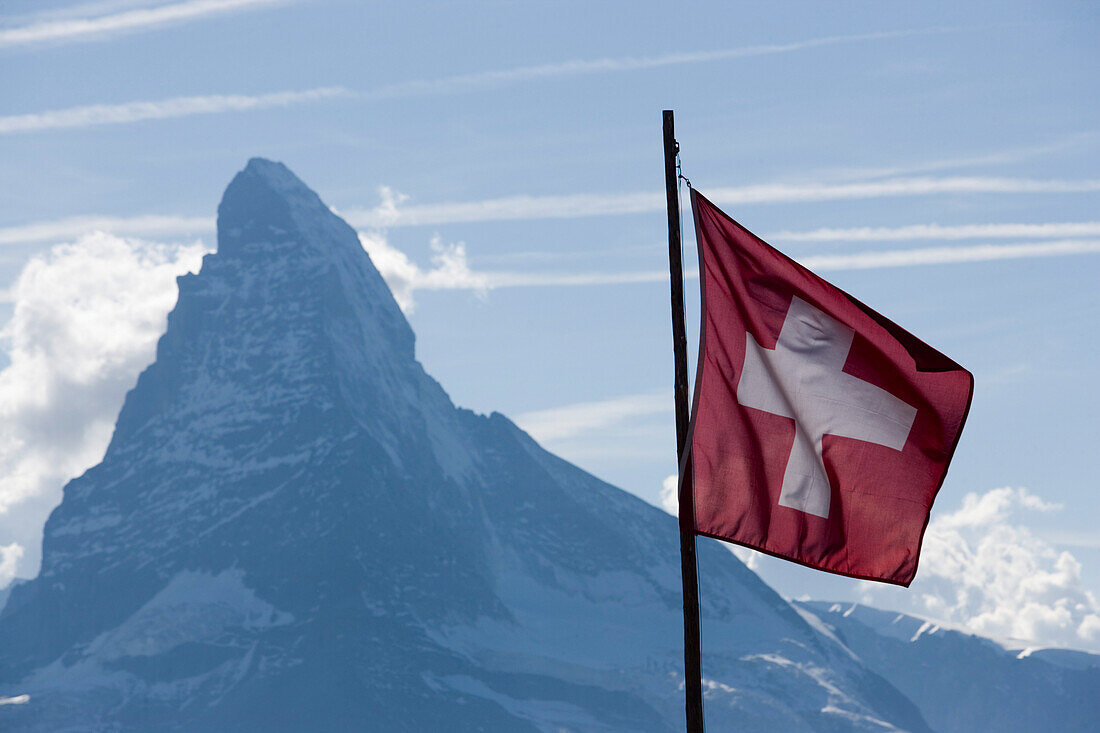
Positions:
{"x": 68, "y": 229}
{"x": 66, "y": 29}
{"x": 1046, "y": 230}
{"x": 86, "y": 319}
{"x": 824, "y": 263}
{"x": 670, "y": 499}
{"x": 569, "y": 279}
{"x": 449, "y": 271}
{"x": 78, "y": 10}
{"x": 584, "y": 67}
{"x": 557, "y": 255}
{"x": 509, "y": 208}
{"x": 948, "y": 255}
{"x": 81, "y": 28}
{"x": 77, "y": 24}
{"x": 113, "y": 114}
{"x": 993, "y": 506}
{"x": 570, "y": 421}
{"x": 923, "y": 186}
{"x": 1061, "y": 144}
{"x": 387, "y": 210}
{"x": 450, "y": 268}
{"x": 936, "y": 231}
{"x": 512, "y": 208}
{"x": 981, "y": 568}
{"x": 10, "y": 555}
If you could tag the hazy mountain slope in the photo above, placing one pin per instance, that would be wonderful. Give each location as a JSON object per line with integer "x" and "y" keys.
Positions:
{"x": 7, "y": 589}
{"x": 968, "y": 683}
{"x": 294, "y": 529}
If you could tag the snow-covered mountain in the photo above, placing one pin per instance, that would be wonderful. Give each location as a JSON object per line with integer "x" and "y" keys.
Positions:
{"x": 293, "y": 528}
{"x": 963, "y": 682}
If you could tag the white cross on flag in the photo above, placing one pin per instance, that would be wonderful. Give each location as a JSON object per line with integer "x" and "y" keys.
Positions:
{"x": 821, "y": 431}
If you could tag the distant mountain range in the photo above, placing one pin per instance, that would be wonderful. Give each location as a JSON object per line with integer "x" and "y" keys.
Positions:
{"x": 294, "y": 529}
{"x": 962, "y": 682}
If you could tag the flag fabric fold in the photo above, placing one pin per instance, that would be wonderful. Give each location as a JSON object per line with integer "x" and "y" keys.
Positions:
{"x": 821, "y": 432}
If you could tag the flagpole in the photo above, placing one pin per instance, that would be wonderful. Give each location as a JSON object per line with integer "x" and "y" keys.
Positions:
{"x": 693, "y": 675}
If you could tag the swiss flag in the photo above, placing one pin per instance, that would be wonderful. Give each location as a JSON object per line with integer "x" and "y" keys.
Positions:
{"x": 821, "y": 431}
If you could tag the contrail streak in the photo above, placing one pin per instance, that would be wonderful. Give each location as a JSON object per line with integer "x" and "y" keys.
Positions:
{"x": 76, "y": 29}
{"x": 113, "y": 114}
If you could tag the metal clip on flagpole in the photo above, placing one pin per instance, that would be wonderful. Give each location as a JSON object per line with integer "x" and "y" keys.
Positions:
{"x": 693, "y": 677}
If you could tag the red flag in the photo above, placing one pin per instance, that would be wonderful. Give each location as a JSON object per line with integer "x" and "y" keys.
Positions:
{"x": 821, "y": 431}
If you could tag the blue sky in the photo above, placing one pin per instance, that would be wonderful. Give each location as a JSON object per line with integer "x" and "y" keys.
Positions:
{"x": 503, "y": 161}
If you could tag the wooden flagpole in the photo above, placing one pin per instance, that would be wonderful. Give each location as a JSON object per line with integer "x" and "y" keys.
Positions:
{"x": 693, "y": 676}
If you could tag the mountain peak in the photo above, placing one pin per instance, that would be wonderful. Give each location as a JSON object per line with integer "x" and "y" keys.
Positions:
{"x": 267, "y": 204}
{"x": 267, "y": 214}
{"x": 279, "y": 179}
{"x": 272, "y": 169}
{"x": 291, "y": 285}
